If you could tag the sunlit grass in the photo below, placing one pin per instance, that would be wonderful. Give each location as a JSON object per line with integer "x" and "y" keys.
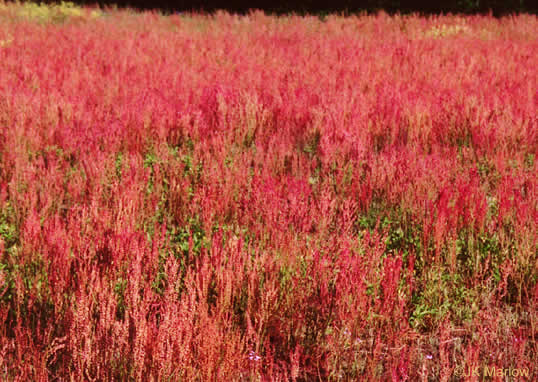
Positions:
{"x": 251, "y": 197}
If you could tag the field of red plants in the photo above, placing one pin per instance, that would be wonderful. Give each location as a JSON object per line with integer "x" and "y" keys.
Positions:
{"x": 262, "y": 198}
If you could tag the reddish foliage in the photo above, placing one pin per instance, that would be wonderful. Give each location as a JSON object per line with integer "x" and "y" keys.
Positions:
{"x": 254, "y": 198}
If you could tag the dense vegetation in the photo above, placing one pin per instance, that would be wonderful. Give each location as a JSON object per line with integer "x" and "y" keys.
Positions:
{"x": 259, "y": 198}
{"x": 323, "y": 8}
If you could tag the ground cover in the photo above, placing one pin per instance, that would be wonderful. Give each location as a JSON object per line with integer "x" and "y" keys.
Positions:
{"x": 225, "y": 197}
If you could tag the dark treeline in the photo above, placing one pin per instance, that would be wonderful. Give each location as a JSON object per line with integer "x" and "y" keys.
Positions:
{"x": 496, "y": 7}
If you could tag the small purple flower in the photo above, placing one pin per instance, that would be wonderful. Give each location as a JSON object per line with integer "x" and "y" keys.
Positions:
{"x": 429, "y": 356}
{"x": 253, "y": 356}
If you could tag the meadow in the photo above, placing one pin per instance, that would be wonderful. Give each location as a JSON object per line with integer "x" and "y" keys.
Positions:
{"x": 257, "y": 198}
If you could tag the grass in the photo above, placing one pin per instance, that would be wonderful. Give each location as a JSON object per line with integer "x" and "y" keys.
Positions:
{"x": 210, "y": 197}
